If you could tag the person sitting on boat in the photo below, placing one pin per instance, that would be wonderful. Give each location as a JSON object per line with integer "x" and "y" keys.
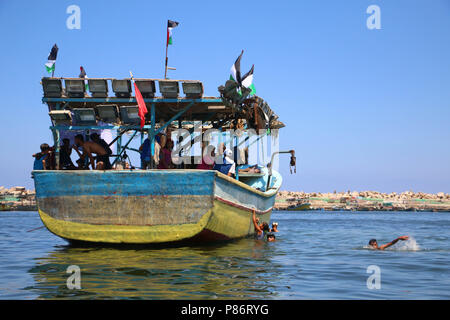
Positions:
{"x": 64, "y": 155}
{"x": 41, "y": 158}
{"x": 251, "y": 169}
{"x": 274, "y": 227}
{"x": 166, "y": 156}
{"x": 97, "y": 139}
{"x": 373, "y": 244}
{"x": 90, "y": 147}
{"x": 208, "y": 155}
{"x": 260, "y": 230}
{"x": 51, "y": 163}
{"x": 228, "y": 165}
{"x": 145, "y": 154}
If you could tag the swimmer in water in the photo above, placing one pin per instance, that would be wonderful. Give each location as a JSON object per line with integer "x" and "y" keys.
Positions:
{"x": 274, "y": 227}
{"x": 373, "y": 244}
{"x": 260, "y": 230}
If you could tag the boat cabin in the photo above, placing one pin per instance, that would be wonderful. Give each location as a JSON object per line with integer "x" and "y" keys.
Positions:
{"x": 175, "y": 107}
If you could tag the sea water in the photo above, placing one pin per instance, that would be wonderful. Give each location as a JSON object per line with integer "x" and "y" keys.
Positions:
{"x": 317, "y": 255}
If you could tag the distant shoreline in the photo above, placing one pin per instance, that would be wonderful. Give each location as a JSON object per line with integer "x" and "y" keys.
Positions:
{"x": 21, "y": 199}
{"x": 363, "y": 201}
{"x": 17, "y": 199}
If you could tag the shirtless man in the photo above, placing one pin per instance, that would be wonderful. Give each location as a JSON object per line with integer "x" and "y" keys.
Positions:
{"x": 90, "y": 147}
{"x": 374, "y": 244}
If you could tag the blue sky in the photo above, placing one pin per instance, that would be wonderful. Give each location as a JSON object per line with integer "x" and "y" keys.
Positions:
{"x": 364, "y": 109}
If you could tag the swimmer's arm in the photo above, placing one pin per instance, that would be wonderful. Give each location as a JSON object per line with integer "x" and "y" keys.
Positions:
{"x": 256, "y": 223}
{"x": 387, "y": 245}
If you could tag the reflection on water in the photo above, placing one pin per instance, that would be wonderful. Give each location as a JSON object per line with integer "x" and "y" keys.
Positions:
{"x": 240, "y": 269}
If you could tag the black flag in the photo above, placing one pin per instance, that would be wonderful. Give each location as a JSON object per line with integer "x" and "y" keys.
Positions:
{"x": 53, "y": 54}
{"x": 250, "y": 73}
{"x": 172, "y": 24}
{"x": 236, "y": 69}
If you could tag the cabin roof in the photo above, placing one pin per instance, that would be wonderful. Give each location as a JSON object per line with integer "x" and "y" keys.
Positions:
{"x": 169, "y": 104}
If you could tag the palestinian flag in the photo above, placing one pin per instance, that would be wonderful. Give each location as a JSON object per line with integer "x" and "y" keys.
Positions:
{"x": 247, "y": 81}
{"x": 83, "y": 75}
{"x": 170, "y": 25}
{"x": 50, "y": 65}
{"x": 236, "y": 69}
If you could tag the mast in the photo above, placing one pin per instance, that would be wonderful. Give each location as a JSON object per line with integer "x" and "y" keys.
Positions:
{"x": 167, "y": 48}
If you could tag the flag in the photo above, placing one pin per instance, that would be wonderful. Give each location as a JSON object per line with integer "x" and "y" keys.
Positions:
{"x": 83, "y": 75}
{"x": 247, "y": 81}
{"x": 236, "y": 69}
{"x": 141, "y": 104}
{"x": 50, "y": 65}
{"x": 170, "y": 25}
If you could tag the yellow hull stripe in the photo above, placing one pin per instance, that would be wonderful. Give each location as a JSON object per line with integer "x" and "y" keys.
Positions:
{"x": 229, "y": 221}
{"x": 122, "y": 233}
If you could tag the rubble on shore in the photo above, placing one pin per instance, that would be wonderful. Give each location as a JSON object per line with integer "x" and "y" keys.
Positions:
{"x": 363, "y": 201}
{"x": 20, "y": 199}
{"x": 17, "y": 199}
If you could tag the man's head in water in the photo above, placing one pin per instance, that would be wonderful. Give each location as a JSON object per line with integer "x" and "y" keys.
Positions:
{"x": 271, "y": 237}
{"x": 373, "y": 243}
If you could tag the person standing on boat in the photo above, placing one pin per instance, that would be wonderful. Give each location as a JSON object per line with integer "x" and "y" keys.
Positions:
{"x": 146, "y": 154}
{"x": 208, "y": 155}
{"x": 144, "y": 149}
{"x": 90, "y": 147}
{"x": 64, "y": 155}
{"x": 41, "y": 158}
{"x": 96, "y": 138}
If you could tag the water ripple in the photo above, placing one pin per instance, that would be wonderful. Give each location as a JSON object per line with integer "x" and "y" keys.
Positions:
{"x": 318, "y": 255}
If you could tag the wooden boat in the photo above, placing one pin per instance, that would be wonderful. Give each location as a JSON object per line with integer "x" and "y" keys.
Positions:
{"x": 152, "y": 206}
{"x": 149, "y": 206}
{"x": 302, "y": 206}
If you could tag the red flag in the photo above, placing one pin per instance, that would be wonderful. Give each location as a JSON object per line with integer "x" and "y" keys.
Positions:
{"x": 142, "y": 107}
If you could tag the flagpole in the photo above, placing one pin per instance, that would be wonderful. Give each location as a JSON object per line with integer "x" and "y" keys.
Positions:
{"x": 165, "y": 72}
{"x": 167, "y": 47}
{"x": 54, "y": 67}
